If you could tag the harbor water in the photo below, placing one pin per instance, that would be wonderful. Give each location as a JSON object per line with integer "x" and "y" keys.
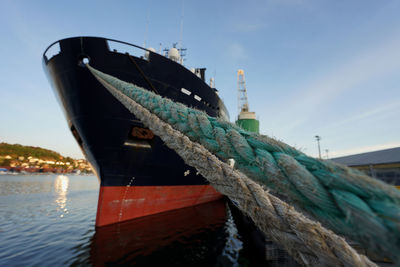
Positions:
{"x": 48, "y": 220}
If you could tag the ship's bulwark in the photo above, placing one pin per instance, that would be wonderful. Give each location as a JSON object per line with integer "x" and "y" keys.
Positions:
{"x": 139, "y": 174}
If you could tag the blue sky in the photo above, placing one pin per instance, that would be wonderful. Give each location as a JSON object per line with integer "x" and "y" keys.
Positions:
{"x": 330, "y": 68}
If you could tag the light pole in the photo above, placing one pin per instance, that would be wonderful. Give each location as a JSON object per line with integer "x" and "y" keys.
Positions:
{"x": 327, "y": 156}
{"x": 319, "y": 148}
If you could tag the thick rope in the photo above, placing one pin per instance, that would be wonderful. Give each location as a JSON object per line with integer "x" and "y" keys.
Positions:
{"x": 345, "y": 200}
{"x": 307, "y": 241}
{"x": 348, "y": 201}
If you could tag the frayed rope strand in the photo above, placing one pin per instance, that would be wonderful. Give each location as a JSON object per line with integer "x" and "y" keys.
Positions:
{"x": 288, "y": 165}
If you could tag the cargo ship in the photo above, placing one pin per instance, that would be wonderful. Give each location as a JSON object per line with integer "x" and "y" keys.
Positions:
{"x": 139, "y": 175}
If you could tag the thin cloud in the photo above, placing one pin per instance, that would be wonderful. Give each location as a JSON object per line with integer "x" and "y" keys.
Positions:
{"x": 21, "y": 28}
{"x": 359, "y": 70}
{"x": 248, "y": 27}
{"x": 291, "y": 2}
{"x": 236, "y": 52}
{"x": 368, "y": 114}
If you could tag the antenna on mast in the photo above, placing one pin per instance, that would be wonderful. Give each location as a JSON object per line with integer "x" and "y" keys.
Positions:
{"x": 181, "y": 50}
{"x": 177, "y": 53}
{"x": 147, "y": 27}
{"x": 215, "y": 77}
{"x": 181, "y": 26}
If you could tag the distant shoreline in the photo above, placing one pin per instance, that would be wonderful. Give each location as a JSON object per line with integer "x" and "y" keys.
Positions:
{"x": 21, "y": 170}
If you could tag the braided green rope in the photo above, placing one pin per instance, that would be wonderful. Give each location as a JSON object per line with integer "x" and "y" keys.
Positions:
{"x": 305, "y": 240}
{"x": 345, "y": 200}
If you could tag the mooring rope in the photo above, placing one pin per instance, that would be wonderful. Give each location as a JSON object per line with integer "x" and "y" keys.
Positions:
{"x": 308, "y": 242}
{"x": 345, "y": 200}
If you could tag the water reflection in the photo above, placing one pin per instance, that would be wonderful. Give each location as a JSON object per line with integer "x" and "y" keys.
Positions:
{"x": 30, "y": 225}
{"x": 191, "y": 236}
{"x": 61, "y": 188}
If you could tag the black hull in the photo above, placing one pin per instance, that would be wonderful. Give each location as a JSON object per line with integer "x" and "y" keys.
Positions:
{"x": 102, "y": 126}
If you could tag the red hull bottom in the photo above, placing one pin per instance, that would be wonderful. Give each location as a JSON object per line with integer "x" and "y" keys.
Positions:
{"x": 122, "y": 203}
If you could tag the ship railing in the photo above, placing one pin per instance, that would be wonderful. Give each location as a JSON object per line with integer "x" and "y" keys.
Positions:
{"x": 53, "y": 50}
{"x": 124, "y": 47}
{"x": 117, "y": 46}
{"x": 113, "y": 46}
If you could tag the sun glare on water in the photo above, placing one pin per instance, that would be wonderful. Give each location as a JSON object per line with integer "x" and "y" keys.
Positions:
{"x": 61, "y": 187}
